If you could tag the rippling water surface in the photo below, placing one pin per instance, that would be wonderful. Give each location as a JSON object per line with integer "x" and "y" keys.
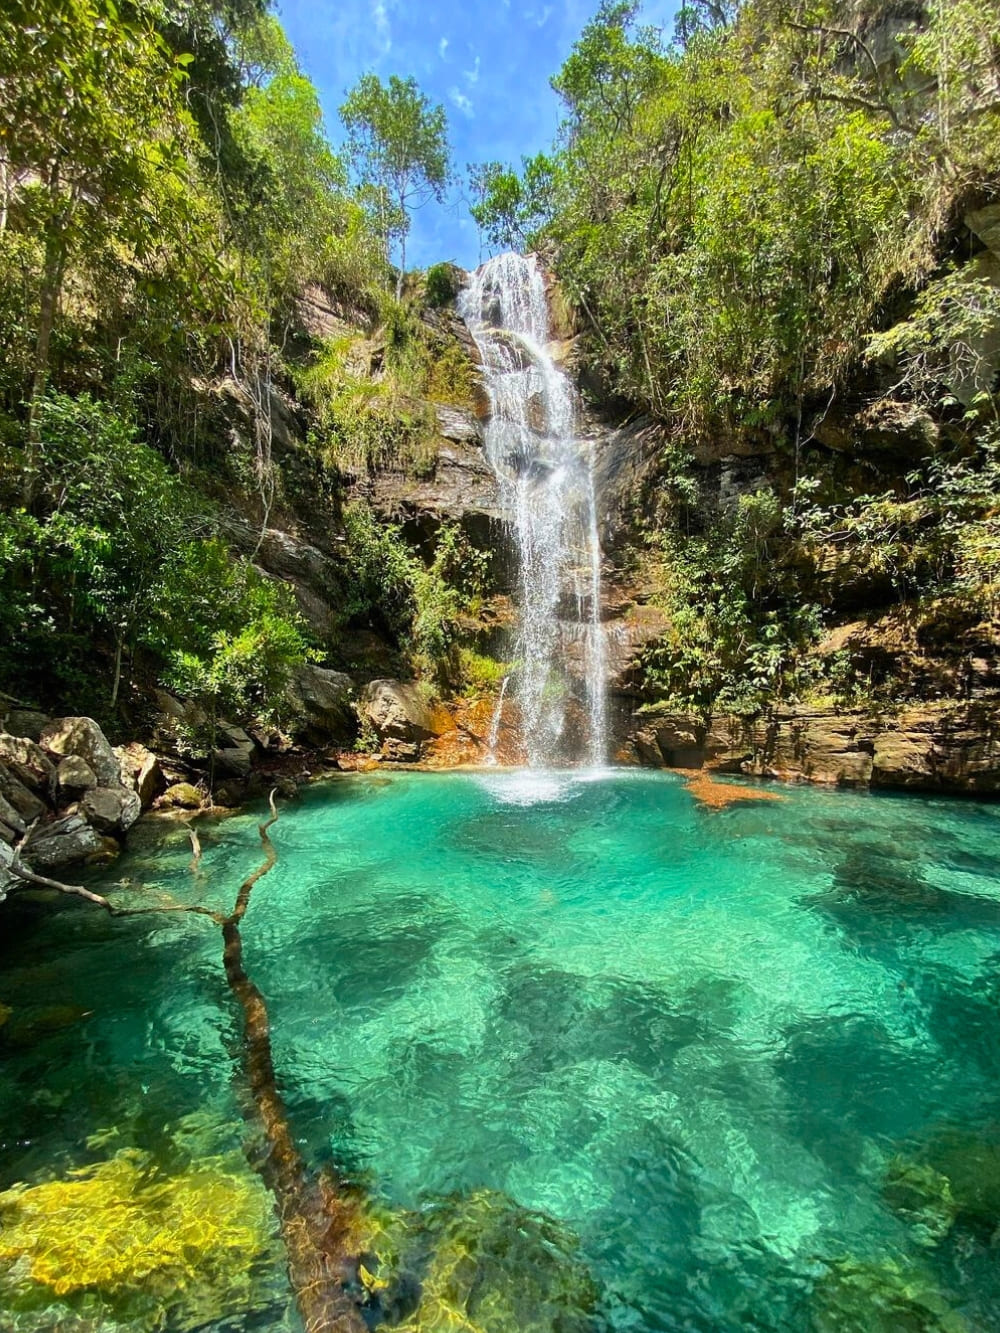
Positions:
{"x": 749, "y": 1057}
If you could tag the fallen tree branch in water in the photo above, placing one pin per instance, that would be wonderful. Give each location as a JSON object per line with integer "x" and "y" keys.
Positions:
{"x": 195, "y": 847}
{"x": 315, "y": 1218}
{"x": 18, "y": 868}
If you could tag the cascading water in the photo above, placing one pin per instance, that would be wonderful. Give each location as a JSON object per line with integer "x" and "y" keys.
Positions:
{"x": 547, "y": 488}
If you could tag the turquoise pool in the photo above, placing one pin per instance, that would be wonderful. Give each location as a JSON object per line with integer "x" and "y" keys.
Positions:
{"x": 709, "y": 1069}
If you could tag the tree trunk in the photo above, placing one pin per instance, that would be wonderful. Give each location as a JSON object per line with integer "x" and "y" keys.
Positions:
{"x": 317, "y": 1220}
{"x": 119, "y": 645}
{"x": 402, "y": 267}
{"x": 52, "y": 275}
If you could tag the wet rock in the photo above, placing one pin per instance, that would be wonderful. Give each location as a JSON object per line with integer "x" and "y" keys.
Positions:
{"x": 82, "y": 736}
{"x": 74, "y": 775}
{"x": 141, "y": 771}
{"x": 458, "y": 425}
{"x": 399, "y": 717}
{"x": 322, "y": 698}
{"x": 111, "y": 809}
{"x": 67, "y": 841}
{"x": 181, "y": 796}
{"x": 27, "y": 761}
{"x": 26, "y": 722}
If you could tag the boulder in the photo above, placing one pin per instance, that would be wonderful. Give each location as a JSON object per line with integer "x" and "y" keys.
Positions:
{"x": 234, "y": 752}
{"x": 27, "y": 805}
{"x": 141, "y": 771}
{"x": 322, "y": 699}
{"x": 26, "y": 722}
{"x": 67, "y": 841}
{"x": 7, "y": 878}
{"x": 82, "y": 736}
{"x": 75, "y": 775}
{"x": 11, "y": 819}
{"x": 111, "y": 809}
{"x": 181, "y": 796}
{"x": 399, "y": 717}
{"x": 27, "y": 761}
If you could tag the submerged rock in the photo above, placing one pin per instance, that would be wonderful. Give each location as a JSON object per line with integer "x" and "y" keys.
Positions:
{"x": 141, "y": 1240}
{"x": 881, "y": 1297}
{"x": 482, "y": 1264}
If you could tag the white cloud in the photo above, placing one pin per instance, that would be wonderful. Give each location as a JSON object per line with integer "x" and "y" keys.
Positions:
{"x": 443, "y": 48}
{"x": 380, "y": 17}
{"x": 471, "y": 76}
{"x": 463, "y": 103}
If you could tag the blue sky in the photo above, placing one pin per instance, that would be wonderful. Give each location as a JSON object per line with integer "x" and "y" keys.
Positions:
{"x": 487, "y": 61}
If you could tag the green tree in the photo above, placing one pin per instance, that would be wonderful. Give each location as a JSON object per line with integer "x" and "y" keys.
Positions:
{"x": 509, "y": 207}
{"x": 93, "y": 137}
{"x": 399, "y": 146}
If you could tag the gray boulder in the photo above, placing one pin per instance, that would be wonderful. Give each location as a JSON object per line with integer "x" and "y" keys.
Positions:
{"x": 10, "y": 818}
{"x": 7, "y": 879}
{"x": 400, "y": 718}
{"x": 27, "y": 805}
{"x": 26, "y": 722}
{"x": 67, "y": 841}
{"x": 74, "y": 775}
{"x": 141, "y": 771}
{"x": 235, "y": 751}
{"x": 27, "y": 761}
{"x": 111, "y": 809}
{"x": 82, "y": 736}
{"x": 322, "y": 699}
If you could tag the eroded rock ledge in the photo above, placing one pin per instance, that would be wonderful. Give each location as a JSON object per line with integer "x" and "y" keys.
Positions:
{"x": 926, "y": 747}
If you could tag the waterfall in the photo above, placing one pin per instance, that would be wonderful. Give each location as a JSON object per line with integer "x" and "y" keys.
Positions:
{"x": 547, "y": 491}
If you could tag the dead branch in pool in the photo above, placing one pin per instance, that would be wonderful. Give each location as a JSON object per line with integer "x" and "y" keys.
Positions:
{"x": 18, "y": 868}
{"x": 195, "y": 847}
{"x": 315, "y": 1218}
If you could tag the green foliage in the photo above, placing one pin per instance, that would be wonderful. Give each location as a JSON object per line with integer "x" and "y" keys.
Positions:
{"x": 732, "y": 214}
{"x": 441, "y": 285}
{"x": 230, "y": 637}
{"x": 399, "y": 147}
{"x": 110, "y": 555}
{"x": 509, "y": 207}
{"x": 419, "y": 604}
{"x": 479, "y": 674}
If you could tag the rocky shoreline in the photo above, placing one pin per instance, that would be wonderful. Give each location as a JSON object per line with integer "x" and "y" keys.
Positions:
{"x": 945, "y": 747}
{"x": 67, "y": 797}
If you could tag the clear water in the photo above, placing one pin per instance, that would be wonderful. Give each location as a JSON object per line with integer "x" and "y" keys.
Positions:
{"x": 701, "y": 1039}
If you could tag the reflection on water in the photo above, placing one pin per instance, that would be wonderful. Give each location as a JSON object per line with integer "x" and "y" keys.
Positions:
{"x": 599, "y": 1058}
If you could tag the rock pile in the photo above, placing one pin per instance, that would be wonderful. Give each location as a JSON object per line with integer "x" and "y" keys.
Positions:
{"x": 66, "y": 796}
